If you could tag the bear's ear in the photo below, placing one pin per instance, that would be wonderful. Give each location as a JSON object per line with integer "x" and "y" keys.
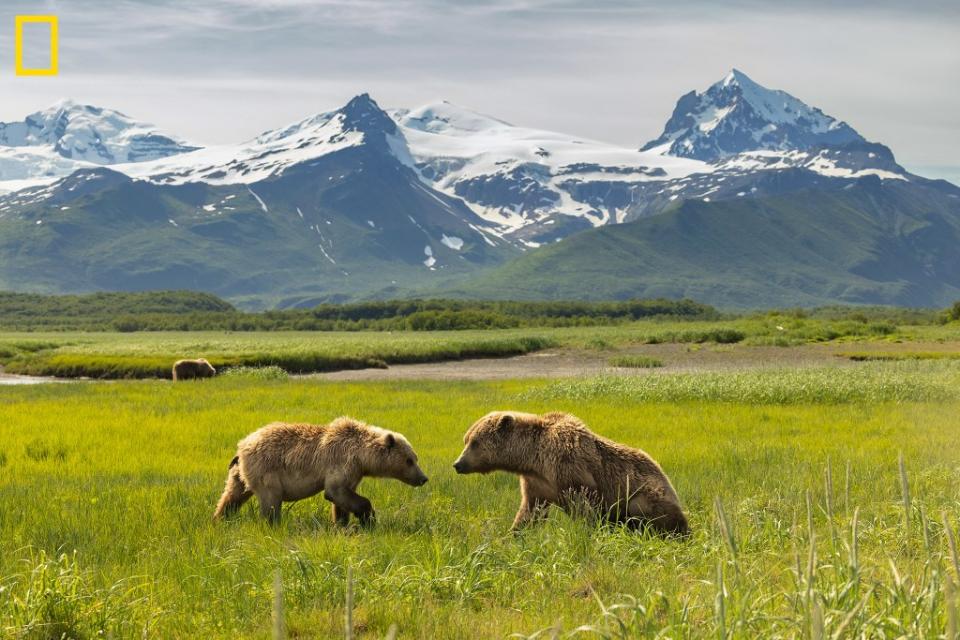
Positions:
{"x": 506, "y": 420}
{"x": 389, "y": 441}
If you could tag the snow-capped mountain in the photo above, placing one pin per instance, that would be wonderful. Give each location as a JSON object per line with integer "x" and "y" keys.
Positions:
{"x": 540, "y": 186}
{"x": 736, "y": 115}
{"x": 329, "y": 206}
{"x": 526, "y": 184}
{"x": 519, "y": 179}
{"x": 68, "y": 136}
{"x": 90, "y": 134}
{"x": 359, "y": 201}
{"x": 360, "y": 121}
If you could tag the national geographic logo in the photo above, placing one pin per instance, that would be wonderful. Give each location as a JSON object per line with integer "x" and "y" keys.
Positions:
{"x": 27, "y": 34}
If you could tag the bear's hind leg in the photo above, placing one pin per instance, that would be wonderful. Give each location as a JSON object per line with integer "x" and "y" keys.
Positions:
{"x": 235, "y": 493}
{"x": 270, "y": 503}
{"x": 270, "y": 494}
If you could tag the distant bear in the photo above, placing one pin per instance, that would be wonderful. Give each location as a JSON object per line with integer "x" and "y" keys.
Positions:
{"x": 191, "y": 369}
{"x": 561, "y": 462}
{"x": 284, "y": 462}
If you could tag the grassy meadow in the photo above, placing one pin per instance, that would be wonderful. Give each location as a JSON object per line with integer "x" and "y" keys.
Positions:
{"x": 806, "y": 522}
{"x": 112, "y": 355}
{"x": 151, "y": 355}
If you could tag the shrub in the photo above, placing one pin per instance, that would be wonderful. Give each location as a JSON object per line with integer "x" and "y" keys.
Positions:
{"x": 726, "y": 336}
{"x": 599, "y": 344}
{"x": 189, "y": 311}
{"x": 953, "y": 313}
{"x": 128, "y": 325}
{"x": 720, "y": 335}
{"x": 881, "y": 328}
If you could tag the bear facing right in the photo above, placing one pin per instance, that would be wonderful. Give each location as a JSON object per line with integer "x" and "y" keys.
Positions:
{"x": 284, "y": 462}
{"x": 561, "y": 462}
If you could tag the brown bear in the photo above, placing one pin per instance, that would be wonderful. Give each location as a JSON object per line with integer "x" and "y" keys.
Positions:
{"x": 563, "y": 463}
{"x": 191, "y": 369}
{"x": 284, "y": 462}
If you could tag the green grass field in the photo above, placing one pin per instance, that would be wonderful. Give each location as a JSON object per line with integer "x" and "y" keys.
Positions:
{"x": 802, "y": 525}
{"x": 151, "y": 354}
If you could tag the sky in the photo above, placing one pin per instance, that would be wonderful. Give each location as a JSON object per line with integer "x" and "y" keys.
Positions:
{"x": 215, "y": 71}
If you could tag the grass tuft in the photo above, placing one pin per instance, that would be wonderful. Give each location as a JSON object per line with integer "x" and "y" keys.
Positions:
{"x": 635, "y": 362}
{"x": 55, "y": 598}
{"x": 256, "y": 373}
{"x": 719, "y": 335}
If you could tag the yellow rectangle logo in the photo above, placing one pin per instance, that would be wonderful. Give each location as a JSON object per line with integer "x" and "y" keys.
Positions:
{"x": 21, "y": 70}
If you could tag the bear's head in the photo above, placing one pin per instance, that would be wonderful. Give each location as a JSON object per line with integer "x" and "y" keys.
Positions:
{"x": 206, "y": 367}
{"x": 395, "y": 458}
{"x": 499, "y": 441}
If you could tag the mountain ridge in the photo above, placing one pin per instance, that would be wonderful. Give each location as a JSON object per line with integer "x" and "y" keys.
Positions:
{"x": 871, "y": 242}
{"x": 365, "y": 202}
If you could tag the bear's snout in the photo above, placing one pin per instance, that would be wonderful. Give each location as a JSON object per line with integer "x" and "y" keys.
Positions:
{"x": 460, "y": 466}
{"x": 415, "y": 477}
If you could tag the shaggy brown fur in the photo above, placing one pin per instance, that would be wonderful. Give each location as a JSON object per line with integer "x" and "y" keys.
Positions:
{"x": 563, "y": 463}
{"x": 284, "y": 462}
{"x": 191, "y": 369}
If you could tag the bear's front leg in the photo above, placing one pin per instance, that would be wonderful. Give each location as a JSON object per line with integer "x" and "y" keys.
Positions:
{"x": 346, "y": 499}
{"x": 532, "y": 507}
{"x": 364, "y": 512}
{"x": 340, "y": 515}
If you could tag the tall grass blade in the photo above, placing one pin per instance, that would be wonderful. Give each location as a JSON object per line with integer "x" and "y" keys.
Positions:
{"x": 726, "y": 530}
{"x": 905, "y": 494}
{"x": 721, "y": 605}
{"x": 348, "y": 617}
{"x": 848, "y": 620}
{"x": 855, "y": 544}
{"x": 828, "y": 491}
{"x": 950, "y": 603}
{"x": 846, "y": 492}
{"x": 952, "y": 544}
{"x": 924, "y": 527}
{"x": 816, "y": 620}
{"x": 279, "y": 628}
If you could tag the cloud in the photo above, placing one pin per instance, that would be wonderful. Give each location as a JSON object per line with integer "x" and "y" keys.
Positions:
{"x": 223, "y": 70}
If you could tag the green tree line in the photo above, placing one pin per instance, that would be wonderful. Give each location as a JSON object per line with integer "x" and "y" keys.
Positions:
{"x": 195, "y": 311}
{"x": 188, "y": 310}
